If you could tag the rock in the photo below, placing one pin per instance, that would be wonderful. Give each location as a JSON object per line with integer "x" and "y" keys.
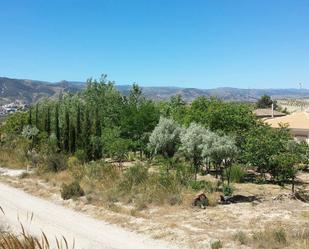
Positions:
{"x": 200, "y": 200}
{"x": 237, "y": 199}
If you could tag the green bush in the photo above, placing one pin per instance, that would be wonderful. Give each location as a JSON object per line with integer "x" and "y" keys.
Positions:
{"x": 241, "y": 237}
{"x": 135, "y": 175}
{"x": 236, "y": 172}
{"x": 227, "y": 190}
{"x": 216, "y": 245}
{"x": 202, "y": 185}
{"x": 72, "y": 190}
{"x": 56, "y": 162}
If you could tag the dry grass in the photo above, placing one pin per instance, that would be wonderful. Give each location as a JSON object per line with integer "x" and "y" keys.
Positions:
{"x": 24, "y": 240}
{"x": 151, "y": 212}
{"x": 275, "y": 237}
{"x": 12, "y": 159}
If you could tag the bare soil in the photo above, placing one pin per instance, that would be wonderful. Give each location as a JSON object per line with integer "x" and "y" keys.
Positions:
{"x": 187, "y": 226}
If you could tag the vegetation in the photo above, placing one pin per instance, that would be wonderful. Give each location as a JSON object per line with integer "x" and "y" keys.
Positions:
{"x": 93, "y": 132}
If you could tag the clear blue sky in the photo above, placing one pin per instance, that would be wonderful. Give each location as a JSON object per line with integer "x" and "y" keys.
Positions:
{"x": 204, "y": 44}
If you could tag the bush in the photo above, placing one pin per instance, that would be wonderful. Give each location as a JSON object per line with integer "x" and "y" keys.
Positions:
{"x": 135, "y": 175}
{"x": 228, "y": 190}
{"x": 237, "y": 173}
{"x": 216, "y": 245}
{"x": 103, "y": 172}
{"x": 72, "y": 190}
{"x": 203, "y": 185}
{"x": 241, "y": 237}
{"x": 56, "y": 162}
{"x": 77, "y": 170}
{"x": 81, "y": 155}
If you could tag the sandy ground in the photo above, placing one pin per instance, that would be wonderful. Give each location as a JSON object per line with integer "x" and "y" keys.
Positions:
{"x": 38, "y": 215}
{"x": 189, "y": 227}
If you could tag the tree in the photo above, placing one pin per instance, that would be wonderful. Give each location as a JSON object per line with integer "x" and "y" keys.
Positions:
{"x": 30, "y": 117}
{"x": 47, "y": 121}
{"x": 78, "y": 127}
{"x": 86, "y": 135}
{"x": 165, "y": 138}
{"x": 192, "y": 142}
{"x": 115, "y": 146}
{"x": 57, "y": 128}
{"x": 262, "y": 144}
{"x": 66, "y": 132}
{"x": 222, "y": 151}
{"x": 37, "y": 115}
{"x": 266, "y": 102}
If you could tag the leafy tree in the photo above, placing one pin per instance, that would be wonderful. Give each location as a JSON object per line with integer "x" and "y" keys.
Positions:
{"x": 262, "y": 144}
{"x": 165, "y": 138}
{"x": 56, "y": 125}
{"x": 47, "y": 121}
{"x": 30, "y": 117}
{"x": 66, "y": 132}
{"x": 86, "y": 135}
{"x": 223, "y": 151}
{"x": 266, "y": 102}
{"x": 192, "y": 142}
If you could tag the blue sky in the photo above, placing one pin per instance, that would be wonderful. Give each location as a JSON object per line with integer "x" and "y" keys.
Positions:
{"x": 204, "y": 44}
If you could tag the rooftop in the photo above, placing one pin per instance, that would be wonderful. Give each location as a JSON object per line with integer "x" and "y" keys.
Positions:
{"x": 297, "y": 120}
{"x": 267, "y": 112}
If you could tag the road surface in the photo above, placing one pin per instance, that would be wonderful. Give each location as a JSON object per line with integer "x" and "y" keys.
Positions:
{"x": 39, "y": 215}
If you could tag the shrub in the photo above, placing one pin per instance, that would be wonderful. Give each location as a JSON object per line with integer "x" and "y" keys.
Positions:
{"x": 71, "y": 190}
{"x": 237, "y": 173}
{"x": 135, "y": 175}
{"x": 105, "y": 173}
{"x": 77, "y": 170}
{"x": 81, "y": 155}
{"x": 203, "y": 185}
{"x": 216, "y": 245}
{"x": 55, "y": 162}
{"x": 228, "y": 190}
{"x": 280, "y": 236}
{"x": 241, "y": 237}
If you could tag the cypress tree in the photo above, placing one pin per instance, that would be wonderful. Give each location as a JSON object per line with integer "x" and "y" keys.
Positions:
{"x": 97, "y": 148}
{"x": 86, "y": 135}
{"x": 78, "y": 127}
{"x": 72, "y": 139}
{"x": 30, "y": 117}
{"x": 66, "y": 132}
{"x": 47, "y": 121}
{"x": 57, "y": 128}
{"x": 97, "y": 123}
{"x": 37, "y": 115}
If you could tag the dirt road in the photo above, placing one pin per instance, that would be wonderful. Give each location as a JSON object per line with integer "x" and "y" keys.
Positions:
{"x": 39, "y": 215}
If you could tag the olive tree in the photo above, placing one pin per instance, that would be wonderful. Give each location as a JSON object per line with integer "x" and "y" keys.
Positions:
{"x": 193, "y": 143}
{"x": 164, "y": 139}
{"x": 222, "y": 152}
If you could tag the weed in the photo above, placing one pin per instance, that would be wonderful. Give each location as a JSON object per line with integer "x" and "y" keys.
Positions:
{"x": 72, "y": 190}
{"x": 216, "y": 245}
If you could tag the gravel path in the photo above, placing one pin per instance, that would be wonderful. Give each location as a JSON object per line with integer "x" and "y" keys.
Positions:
{"x": 38, "y": 215}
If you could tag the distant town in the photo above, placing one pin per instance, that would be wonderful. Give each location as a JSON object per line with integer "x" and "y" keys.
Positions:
{"x": 12, "y": 108}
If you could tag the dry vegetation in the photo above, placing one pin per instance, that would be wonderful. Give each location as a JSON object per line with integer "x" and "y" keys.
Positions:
{"x": 280, "y": 222}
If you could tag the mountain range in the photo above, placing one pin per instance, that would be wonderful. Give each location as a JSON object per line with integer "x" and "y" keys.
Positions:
{"x": 30, "y": 91}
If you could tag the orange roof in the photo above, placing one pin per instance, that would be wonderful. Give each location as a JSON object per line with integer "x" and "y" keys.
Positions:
{"x": 297, "y": 120}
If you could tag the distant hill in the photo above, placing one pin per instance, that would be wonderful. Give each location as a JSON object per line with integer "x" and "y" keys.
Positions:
{"x": 30, "y": 91}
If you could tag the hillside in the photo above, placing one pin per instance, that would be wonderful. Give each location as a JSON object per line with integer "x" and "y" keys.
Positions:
{"x": 30, "y": 91}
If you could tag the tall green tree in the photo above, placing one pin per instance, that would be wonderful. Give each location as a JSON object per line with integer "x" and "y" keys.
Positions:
{"x": 66, "y": 131}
